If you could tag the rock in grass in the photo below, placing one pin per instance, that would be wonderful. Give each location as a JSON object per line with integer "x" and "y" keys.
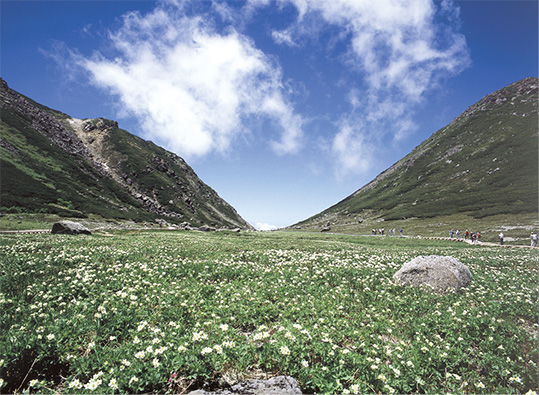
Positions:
{"x": 69, "y": 228}
{"x": 278, "y": 385}
{"x": 441, "y": 273}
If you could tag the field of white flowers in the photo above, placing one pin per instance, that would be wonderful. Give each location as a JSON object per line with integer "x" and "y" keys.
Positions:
{"x": 176, "y": 311}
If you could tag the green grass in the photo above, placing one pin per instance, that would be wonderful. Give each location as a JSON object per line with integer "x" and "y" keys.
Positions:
{"x": 166, "y": 311}
{"x": 516, "y": 227}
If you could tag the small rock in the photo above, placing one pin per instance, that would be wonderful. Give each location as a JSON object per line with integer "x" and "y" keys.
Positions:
{"x": 278, "y": 385}
{"x": 206, "y": 228}
{"x": 70, "y": 228}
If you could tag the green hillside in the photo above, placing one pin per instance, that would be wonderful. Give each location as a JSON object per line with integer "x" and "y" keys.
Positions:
{"x": 482, "y": 166}
{"x": 52, "y": 163}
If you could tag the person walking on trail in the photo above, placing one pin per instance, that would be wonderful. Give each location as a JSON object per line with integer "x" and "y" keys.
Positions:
{"x": 458, "y": 234}
{"x": 501, "y": 238}
{"x": 451, "y": 232}
{"x": 534, "y": 239}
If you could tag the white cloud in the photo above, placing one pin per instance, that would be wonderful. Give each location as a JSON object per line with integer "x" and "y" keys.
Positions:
{"x": 354, "y": 152}
{"x": 265, "y": 227}
{"x": 283, "y": 37}
{"x": 192, "y": 88}
{"x": 400, "y": 48}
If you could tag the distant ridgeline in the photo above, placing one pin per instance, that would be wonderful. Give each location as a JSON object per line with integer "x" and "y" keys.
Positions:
{"x": 52, "y": 163}
{"x": 483, "y": 163}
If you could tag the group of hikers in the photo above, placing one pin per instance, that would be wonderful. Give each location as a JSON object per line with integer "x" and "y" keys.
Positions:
{"x": 381, "y": 231}
{"x": 473, "y": 236}
{"x": 476, "y": 236}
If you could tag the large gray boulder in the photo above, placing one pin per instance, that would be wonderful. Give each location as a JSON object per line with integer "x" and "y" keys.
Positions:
{"x": 441, "y": 273}
{"x": 70, "y": 228}
{"x": 278, "y": 385}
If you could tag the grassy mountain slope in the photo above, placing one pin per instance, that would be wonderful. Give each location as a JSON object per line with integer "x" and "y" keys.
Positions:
{"x": 52, "y": 163}
{"x": 483, "y": 165}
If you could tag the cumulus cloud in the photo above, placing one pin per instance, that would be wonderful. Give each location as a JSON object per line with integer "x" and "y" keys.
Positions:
{"x": 191, "y": 87}
{"x": 400, "y": 49}
{"x": 355, "y": 154}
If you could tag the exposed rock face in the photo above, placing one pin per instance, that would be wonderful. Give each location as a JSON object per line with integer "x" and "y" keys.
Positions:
{"x": 279, "y": 385}
{"x": 441, "y": 273}
{"x": 70, "y": 228}
{"x": 42, "y": 121}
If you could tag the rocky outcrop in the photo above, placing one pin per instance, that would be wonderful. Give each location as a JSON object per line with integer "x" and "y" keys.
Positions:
{"x": 440, "y": 273}
{"x": 526, "y": 90}
{"x": 279, "y": 385}
{"x": 42, "y": 121}
{"x": 70, "y": 228}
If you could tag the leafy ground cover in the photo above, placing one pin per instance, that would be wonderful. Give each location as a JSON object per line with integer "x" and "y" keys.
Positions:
{"x": 174, "y": 311}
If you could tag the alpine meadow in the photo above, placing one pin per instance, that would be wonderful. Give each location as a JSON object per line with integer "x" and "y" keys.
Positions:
{"x": 171, "y": 312}
{"x": 269, "y": 197}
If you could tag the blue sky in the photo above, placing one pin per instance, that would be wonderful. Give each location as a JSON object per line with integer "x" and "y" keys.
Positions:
{"x": 284, "y": 107}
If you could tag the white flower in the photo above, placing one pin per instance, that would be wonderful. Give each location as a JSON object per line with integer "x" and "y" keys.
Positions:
{"x": 206, "y": 350}
{"x": 140, "y": 354}
{"x": 284, "y": 350}
{"x": 141, "y": 326}
{"x": 305, "y": 364}
{"x": 355, "y": 389}
{"x": 92, "y": 384}
{"x": 224, "y": 327}
{"x": 161, "y": 350}
{"x": 75, "y": 384}
{"x": 155, "y": 363}
{"x": 198, "y": 336}
{"x": 181, "y": 349}
{"x": 113, "y": 384}
{"x": 50, "y": 336}
{"x": 33, "y": 382}
{"x": 2, "y": 382}
{"x": 218, "y": 349}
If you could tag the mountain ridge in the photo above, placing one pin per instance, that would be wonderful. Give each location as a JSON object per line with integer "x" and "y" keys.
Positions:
{"x": 493, "y": 142}
{"x": 57, "y": 164}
